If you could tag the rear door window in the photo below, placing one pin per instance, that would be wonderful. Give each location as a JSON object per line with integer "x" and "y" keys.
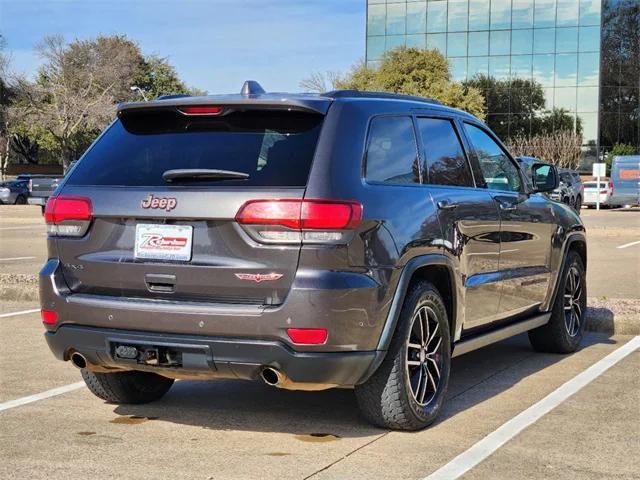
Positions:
{"x": 274, "y": 148}
{"x": 445, "y": 161}
{"x": 392, "y": 155}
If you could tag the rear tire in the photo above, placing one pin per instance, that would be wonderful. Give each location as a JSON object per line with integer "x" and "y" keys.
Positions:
{"x": 578, "y": 205}
{"x": 127, "y": 387}
{"x": 566, "y": 326}
{"x": 408, "y": 389}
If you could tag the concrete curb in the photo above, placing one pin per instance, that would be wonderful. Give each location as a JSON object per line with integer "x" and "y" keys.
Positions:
{"x": 603, "y": 316}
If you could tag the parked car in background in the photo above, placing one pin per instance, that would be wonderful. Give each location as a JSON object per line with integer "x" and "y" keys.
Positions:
{"x": 593, "y": 190}
{"x": 14, "y": 192}
{"x": 570, "y": 191}
{"x": 351, "y": 239}
{"x": 41, "y": 187}
{"x": 625, "y": 177}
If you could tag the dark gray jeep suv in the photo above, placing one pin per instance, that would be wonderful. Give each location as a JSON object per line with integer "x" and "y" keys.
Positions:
{"x": 344, "y": 240}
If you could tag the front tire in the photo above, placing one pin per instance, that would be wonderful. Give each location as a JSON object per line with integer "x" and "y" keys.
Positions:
{"x": 127, "y": 387}
{"x": 408, "y": 389}
{"x": 21, "y": 200}
{"x": 578, "y": 205}
{"x": 566, "y": 326}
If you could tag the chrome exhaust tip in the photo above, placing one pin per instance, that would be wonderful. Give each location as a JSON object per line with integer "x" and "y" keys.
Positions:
{"x": 271, "y": 376}
{"x": 78, "y": 360}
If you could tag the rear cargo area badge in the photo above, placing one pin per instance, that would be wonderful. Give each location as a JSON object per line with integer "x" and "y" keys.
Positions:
{"x": 259, "y": 277}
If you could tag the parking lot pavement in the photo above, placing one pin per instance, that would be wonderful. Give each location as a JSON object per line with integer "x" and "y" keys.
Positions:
{"x": 235, "y": 429}
{"x": 22, "y": 239}
{"x": 589, "y": 436}
{"x": 614, "y": 252}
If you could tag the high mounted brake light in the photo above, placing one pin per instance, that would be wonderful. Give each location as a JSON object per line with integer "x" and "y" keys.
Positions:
{"x": 68, "y": 216}
{"x": 200, "y": 110}
{"x": 312, "y": 221}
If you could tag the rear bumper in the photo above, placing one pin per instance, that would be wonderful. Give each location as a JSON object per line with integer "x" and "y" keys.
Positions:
{"x": 37, "y": 201}
{"x": 209, "y": 357}
{"x": 622, "y": 198}
{"x": 351, "y": 306}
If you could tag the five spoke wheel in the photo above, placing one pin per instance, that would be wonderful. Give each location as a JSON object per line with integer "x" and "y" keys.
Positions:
{"x": 424, "y": 356}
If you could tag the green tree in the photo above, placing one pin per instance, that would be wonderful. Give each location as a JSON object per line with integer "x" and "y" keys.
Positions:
{"x": 619, "y": 149}
{"x": 412, "y": 71}
{"x": 156, "y": 76}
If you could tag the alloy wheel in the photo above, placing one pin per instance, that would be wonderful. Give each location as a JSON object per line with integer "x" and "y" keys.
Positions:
{"x": 573, "y": 302}
{"x": 424, "y": 356}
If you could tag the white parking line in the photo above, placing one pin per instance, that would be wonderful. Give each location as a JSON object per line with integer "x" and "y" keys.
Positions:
{"x": 496, "y": 439}
{"x": 22, "y": 228}
{"x": 629, "y": 244}
{"x": 21, "y": 312}
{"x": 13, "y": 259}
{"x": 18, "y": 402}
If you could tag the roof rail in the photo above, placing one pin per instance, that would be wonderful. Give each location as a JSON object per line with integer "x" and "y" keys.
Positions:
{"x": 251, "y": 87}
{"x": 382, "y": 95}
{"x": 173, "y": 95}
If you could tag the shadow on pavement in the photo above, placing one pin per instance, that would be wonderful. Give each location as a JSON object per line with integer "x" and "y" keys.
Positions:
{"x": 253, "y": 406}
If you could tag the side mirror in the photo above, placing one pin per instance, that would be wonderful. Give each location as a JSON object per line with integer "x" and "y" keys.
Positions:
{"x": 544, "y": 176}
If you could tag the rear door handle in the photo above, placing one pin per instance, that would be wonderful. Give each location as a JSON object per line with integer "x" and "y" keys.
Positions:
{"x": 446, "y": 205}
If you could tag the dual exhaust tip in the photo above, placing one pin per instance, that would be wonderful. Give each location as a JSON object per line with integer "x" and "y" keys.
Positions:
{"x": 269, "y": 375}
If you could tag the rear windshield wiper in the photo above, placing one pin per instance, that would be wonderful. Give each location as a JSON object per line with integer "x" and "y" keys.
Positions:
{"x": 202, "y": 174}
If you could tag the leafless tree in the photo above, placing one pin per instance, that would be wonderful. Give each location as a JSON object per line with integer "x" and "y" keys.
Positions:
{"x": 76, "y": 89}
{"x": 561, "y": 148}
{"x": 320, "y": 82}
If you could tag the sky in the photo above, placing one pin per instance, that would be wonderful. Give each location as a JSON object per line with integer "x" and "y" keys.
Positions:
{"x": 214, "y": 44}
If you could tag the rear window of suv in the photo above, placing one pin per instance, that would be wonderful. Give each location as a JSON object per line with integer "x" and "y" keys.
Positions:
{"x": 275, "y": 148}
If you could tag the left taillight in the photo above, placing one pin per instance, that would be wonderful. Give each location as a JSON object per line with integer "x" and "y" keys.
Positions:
{"x": 49, "y": 317}
{"x": 68, "y": 216}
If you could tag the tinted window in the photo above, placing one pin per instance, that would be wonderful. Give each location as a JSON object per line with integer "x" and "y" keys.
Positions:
{"x": 391, "y": 153}
{"x": 499, "y": 172}
{"x": 274, "y": 148}
{"x": 445, "y": 160}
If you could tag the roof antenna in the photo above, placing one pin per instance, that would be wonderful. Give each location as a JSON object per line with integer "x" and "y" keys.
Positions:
{"x": 251, "y": 87}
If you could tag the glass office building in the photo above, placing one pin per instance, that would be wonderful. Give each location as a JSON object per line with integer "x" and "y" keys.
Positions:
{"x": 584, "y": 53}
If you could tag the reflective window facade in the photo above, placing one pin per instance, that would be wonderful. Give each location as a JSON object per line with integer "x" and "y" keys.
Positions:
{"x": 584, "y": 53}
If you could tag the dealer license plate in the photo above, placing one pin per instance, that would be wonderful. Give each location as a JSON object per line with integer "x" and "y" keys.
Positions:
{"x": 163, "y": 242}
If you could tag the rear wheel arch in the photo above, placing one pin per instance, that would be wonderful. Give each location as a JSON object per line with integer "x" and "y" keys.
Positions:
{"x": 441, "y": 277}
{"x": 434, "y": 268}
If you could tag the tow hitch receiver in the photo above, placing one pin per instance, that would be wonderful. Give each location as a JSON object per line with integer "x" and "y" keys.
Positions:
{"x": 189, "y": 357}
{"x": 159, "y": 357}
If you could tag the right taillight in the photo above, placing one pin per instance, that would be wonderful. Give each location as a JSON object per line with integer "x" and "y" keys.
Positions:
{"x": 292, "y": 221}
{"x": 68, "y": 216}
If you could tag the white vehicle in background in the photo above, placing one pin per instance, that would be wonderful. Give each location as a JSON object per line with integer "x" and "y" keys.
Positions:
{"x": 592, "y": 190}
